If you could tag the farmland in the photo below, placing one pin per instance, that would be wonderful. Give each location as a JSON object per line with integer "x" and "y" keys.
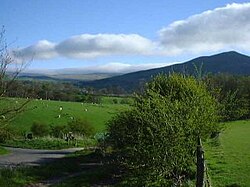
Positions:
{"x": 228, "y": 160}
{"x": 48, "y": 112}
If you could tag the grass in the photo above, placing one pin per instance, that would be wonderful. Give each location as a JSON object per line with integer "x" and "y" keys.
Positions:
{"x": 49, "y": 143}
{"x": 48, "y": 111}
{"x": 3, "y": 151}
{"x": 229, "y": 160}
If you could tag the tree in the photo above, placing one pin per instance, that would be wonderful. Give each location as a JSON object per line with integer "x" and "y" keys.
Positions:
{"x": 233, "y": 94}
{"x": 156, "y": 140}
{"x": 9, "y": 70}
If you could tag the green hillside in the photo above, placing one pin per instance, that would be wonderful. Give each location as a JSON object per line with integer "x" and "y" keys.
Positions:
{"x": 48, "y": 112}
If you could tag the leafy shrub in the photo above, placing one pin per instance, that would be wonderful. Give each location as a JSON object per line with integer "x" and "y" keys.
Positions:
{"x": 156, "y": 140}
{"x": 126, "y": 101}
{"x": 115, "y": 101}
{"x": 81, "y": 127}
{"x": 39, "y": 129}
{"x": 5, "y": 134}
{"x": 58, "y": 131}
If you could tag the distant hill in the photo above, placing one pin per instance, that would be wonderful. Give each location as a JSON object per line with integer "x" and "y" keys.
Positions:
{"x": 227, "y": 62}
{"x": 64, "y": 77}
{"x": 31, "y": 76}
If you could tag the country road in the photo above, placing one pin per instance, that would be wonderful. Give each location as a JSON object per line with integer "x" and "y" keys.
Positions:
{"x": 32, "y": 157}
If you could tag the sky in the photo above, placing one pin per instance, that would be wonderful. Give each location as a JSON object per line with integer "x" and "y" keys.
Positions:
{"x": 120, "y": 36}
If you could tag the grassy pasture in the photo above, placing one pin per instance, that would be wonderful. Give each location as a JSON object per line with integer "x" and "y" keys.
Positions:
{"x": 229, "y": 160}
{"x": 48, "y": 112}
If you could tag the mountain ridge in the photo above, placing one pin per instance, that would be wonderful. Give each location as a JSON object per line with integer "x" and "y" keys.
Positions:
{"x": 230, "y": 62}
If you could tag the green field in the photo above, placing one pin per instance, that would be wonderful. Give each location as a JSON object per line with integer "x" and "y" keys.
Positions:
{"x": 48, "y": 112}
{"x": 229, "y": 161}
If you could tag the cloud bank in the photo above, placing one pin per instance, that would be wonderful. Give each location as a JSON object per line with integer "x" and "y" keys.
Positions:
{"x": 225, "y": 28}
{"x": 221, "y": 28}
{"x": 89, "y": 46}
{"x": 113, "y": 67}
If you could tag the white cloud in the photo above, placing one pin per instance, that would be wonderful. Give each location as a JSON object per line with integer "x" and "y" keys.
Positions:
{"x": 90, "y": 46}
{"x": 222, "y": 28}
{"x": 41, "y": 50}
{"x": 113, "y": 67}
{"x": 126, "y": 68}
{"x": 226, "y": 28}
{"x": 87, "y": 46}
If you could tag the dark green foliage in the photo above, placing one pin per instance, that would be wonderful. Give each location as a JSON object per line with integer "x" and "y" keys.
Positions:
{"x": 115, "y": 101}
{"x": 125, "y": 101}
{"x": 5, "y": 134}
{"x": 156, "y": 140}
{"x": 90, "y": 98}
{"x": 49, "y": 143}
{"x": 39, "y": 129}
{"x": 81, "y": 127}
{"x": 233, "y": 94}
{"x": 58, "y": 131}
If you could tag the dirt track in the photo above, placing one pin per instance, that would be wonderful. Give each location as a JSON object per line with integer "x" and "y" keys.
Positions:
{"x": 32, "y": 157}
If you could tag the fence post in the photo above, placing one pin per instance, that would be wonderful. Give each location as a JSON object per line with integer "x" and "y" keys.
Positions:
{"x": 200, "y": 164}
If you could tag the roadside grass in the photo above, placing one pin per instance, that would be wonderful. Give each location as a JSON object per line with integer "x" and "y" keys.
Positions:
{"x": 50, "y": 143}
{"x": 3, "y": 151}
{"x": 87, "y": 163}
{"x": 228, "y": 159}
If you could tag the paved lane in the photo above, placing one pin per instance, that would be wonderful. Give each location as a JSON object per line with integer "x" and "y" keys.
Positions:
{"x": 32, "y": 157}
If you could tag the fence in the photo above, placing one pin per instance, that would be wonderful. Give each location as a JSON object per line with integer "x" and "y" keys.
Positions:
{"x": 202, "y": 177}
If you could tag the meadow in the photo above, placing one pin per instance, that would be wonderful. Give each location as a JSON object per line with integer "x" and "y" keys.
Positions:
{"x": 228, "y": 159}
{"x": 47, "y": 112}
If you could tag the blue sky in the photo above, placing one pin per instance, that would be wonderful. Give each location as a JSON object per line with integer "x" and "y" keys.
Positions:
{"x": 122, "y": 35}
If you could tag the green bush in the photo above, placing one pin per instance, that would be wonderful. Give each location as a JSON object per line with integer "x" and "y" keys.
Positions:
{"x": 81, "y": 127}
{"x": 4, "y": 135}
{"x": 39, "y": 129}
{"x": 58, "y": 131}
{"x": 156, "y": 140}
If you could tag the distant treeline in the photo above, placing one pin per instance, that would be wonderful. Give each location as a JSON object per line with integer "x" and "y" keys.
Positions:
{"x": 232, "y": 93}
{"x": 61, "y": 91}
